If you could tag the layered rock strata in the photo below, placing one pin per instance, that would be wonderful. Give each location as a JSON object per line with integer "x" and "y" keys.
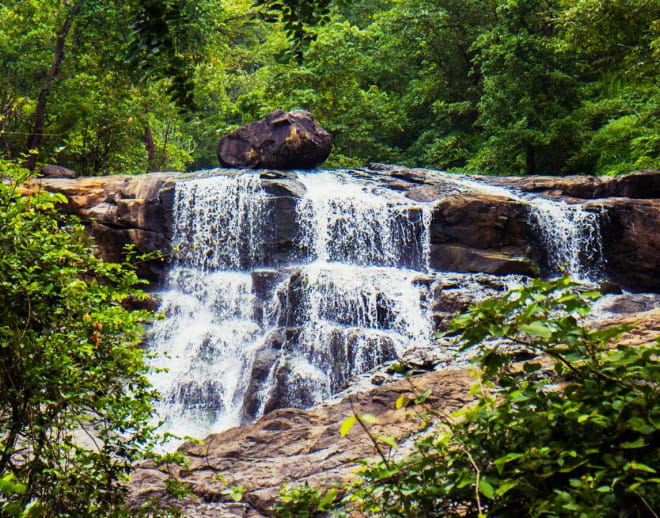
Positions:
{"x": 471, "y": 230}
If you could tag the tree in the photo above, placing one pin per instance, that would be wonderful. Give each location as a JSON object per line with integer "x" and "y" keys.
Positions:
{"x": 529, "y": 93}
{"x": 75, "y": 404}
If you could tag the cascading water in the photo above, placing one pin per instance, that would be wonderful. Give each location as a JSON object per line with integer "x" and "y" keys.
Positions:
{"x": 244, "y": 334}
{"x": 569, "y": 234}
{"x": 204, "y": 341}
{"x": 357, "y": 223}
{"x": 352, "y": 305}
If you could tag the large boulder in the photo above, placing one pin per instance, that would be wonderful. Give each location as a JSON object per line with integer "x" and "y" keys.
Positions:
{"x": 283, "y": 140}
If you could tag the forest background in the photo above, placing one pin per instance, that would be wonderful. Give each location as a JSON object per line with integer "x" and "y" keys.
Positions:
{"x": 477, "y": 86}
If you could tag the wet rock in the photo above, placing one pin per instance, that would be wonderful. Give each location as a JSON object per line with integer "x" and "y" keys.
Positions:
{"x": 283, "y": 140}
{"x": 609, "y": 287}
{"x": 424, "y": 193}
{"x": 480, "y": 221}
{"x": 631, "y": 303}
{"x": 295, "y": 447}
{"x": 631, "y": 242}
{"x": 459, "y": 258}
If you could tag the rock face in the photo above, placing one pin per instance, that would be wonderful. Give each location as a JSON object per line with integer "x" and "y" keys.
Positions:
{"x": 57, "y": 171}
{"x": 294, "y": 446}
{"x": 122, "y": 210}
{"x": 471, "y": 231}
{"x": 632, "y": 242}
{"x": 283, "y": 140}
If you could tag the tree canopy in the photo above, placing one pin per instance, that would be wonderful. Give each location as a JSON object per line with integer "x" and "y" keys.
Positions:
{"x": 498, "y": 87}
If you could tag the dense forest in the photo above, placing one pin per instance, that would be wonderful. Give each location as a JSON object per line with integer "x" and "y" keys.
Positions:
{"x": 483, "y": 86}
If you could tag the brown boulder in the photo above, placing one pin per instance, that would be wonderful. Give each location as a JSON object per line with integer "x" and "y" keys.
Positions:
{"x": 459, "y": 258}
{"x": 296, "y": 447}
{"x": 639, "y": 185}
{"x": 283, "y": 140}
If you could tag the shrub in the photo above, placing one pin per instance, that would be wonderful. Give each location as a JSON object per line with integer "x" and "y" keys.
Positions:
{"x": 571, "y": 432}
{"x": 75, "y": 404}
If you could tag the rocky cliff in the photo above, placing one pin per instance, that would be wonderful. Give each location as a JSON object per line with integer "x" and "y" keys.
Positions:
{"x": 248, "y": 288}
{"x": 472, "y": 230}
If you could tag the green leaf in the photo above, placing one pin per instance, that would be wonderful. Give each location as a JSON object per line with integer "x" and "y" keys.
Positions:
{"x": 388, "y": 440}
{"x": 639, "y": 467}
{"x": 346, "y": 425}
{"x": 327, "y": 499}
{"x": 486, "y": 489}
{"x": 537, "y": 328}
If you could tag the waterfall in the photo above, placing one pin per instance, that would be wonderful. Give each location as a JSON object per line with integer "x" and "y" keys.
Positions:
{"x": 205, "y": 343}
{"x": 570, "y": 236}
{"x": 353, "y": 222}
{"x": 350, "y": 305}
{"x": 218, "y": 222}
{"x": 257, "y": 320}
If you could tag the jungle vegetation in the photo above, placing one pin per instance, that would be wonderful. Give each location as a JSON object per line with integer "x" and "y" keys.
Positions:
{"x": 483, "y": 86}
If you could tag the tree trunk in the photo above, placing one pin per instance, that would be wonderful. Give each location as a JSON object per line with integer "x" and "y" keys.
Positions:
{"x": 530, "y": 167}
{"x": 150, "y": 147}
{"x": 34, "y": 139}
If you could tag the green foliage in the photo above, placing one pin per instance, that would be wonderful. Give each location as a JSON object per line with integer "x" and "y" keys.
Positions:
{"x": 573, "y": 431}
{"x": 485, "y": 86}
{"x": 75, "y": 403}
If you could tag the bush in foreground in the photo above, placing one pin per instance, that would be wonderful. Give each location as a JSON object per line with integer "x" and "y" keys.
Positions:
{"x": 572, "y": 432}
{"x": 75, "y": 404}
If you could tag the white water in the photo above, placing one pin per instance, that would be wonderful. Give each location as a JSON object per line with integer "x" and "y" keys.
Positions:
{"x": 352, "y": 306}
{"x": 569, "y": 235}
{"x": 358, "y": 223}
{"x": 217, "y": 222}
{"x": 360, "y": 298}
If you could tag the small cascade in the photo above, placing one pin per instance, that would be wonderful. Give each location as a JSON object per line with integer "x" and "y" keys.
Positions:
{"x": 218, "y": 222}
{"x": 358, "y": 223}
{"x": 570, "y": 236}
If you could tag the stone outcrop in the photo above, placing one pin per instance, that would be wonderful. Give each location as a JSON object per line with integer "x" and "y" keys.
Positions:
{"x": 632, "y": 242}
{"x": 640, "y": 184}
{"x": 57, "y": 171}
{"x": 283, "y": 140}
{"x": 481, "y": 233}
{"x": 120, "y": 211}
{"x": 137, "y": 210}
{"x": 297, "y": 447}
{"x": 294, "y": 446}
{"x": 471, "y": 231}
